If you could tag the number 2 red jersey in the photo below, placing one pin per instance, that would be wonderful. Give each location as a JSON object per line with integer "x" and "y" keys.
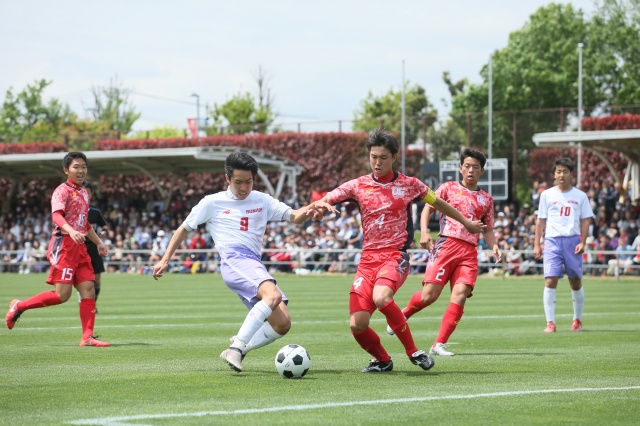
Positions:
{"x": 474, "y": 205}
{"x": 385, "y": 208}
{"x": 73, "y": 201}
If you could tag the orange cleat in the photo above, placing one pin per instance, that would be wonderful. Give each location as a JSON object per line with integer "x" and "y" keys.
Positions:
{"x": 12, "y": 314}
{"x": 577, "y": 325}
{"x": 93, "y": 341}
{"x": 551, "y": 327}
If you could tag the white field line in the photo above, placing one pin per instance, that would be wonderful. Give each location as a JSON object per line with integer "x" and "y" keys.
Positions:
{"x": 101, "y": 319}
{"x": 122, "y": 420}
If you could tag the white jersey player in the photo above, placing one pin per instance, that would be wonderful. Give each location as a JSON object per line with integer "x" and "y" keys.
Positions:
{"x": 564, "y": 216}
{"x": 237, "y": 219}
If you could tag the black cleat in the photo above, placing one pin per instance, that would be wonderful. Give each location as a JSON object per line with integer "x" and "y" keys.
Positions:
{"x": 423, "y": 360}
{"x": 376, "y": 366}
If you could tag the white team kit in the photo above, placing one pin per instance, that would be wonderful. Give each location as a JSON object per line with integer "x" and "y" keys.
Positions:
{"x": 235, "y": 223}
{"x": 237, "y": 227}
{"x": 565, "y": 209}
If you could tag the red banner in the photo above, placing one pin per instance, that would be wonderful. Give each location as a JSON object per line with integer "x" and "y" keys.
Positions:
{"x": 193, "y": 126}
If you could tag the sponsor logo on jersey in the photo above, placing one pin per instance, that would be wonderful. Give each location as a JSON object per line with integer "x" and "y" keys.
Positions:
{"x": 398, "y": 191}
{"x": 369, "y": 191}
{"x": 226, "y": 212}
{"x": 482, "y": 200}
{"x": 258, "y": 210}
{"x": 383, "y": 272}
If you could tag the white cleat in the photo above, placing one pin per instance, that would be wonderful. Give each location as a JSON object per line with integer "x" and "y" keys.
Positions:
{"x": 233, "y": 357}
{"x": 440, "y": 349}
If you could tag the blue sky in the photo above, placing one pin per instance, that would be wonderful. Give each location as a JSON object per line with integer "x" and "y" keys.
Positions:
{"x": 322, "y": 58}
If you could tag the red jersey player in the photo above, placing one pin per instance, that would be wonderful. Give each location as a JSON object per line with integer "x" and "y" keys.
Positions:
{"x": 385, "y": 200}
{"x": 454, "y": 258}
{"x": 67, "y": 253}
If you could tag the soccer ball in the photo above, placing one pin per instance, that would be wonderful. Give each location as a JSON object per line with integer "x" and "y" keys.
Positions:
{"x": 293, "y": 361}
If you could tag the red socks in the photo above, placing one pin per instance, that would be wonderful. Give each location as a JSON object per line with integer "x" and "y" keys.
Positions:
{"x": 87, "y": 317}
{"x": 399, "y": 325}
{"x": 370, "y": 342}
{"x": 46, "y": 298}
{"x": 449, "y": 323}
{"x": 415, "y": 305}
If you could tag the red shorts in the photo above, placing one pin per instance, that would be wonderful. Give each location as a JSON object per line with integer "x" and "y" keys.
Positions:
{"x": 70, "y": 262}
{"x": 452, "y": 260}
{"x": 387, "y": 268}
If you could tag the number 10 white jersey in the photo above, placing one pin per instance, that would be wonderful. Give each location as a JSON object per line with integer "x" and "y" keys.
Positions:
{"x": 563, "y": 211}
{"x": 237, "y": 223}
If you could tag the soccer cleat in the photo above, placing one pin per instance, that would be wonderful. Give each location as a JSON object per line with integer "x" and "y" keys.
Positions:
{"x": 423, "y": 360}
{"x": 12, "y": 314}
{"x": 93, "y": 341}
{"x": 376, "y": 366}
{"x": 231, "y": 340}
{"x": 233, "y": 357}
{"x": 551, "y": 327}
{"x": 577, "y": 325}
{"x": 440, "y": 349}
{"x": 390, "y": 330}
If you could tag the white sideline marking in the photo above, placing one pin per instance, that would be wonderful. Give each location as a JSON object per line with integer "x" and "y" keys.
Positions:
{"x": 421, "y": 318}
{"x": 119, "y": 421}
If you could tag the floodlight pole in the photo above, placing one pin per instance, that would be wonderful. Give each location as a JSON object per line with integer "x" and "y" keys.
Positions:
{"x": 579, "y": 166}
{"x": 197, "y": 113}
{"x": 403, "y": 129}
{"x": 490, "y": 152}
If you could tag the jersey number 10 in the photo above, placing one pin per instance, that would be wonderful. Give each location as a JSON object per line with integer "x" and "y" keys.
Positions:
{"x": 565, "y": 211}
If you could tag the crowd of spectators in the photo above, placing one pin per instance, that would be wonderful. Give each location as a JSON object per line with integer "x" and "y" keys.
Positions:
{"x": 138, "y": 233}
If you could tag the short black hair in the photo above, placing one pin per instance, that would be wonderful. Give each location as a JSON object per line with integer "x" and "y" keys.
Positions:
{"x": 384, "y": 138}
{"x": 89, "y": 187}
{"x": 473, "y": 153}
{"x": 240, "y": 161}
{"x": 68, "y": 159}
{"x": 566, "y": 162}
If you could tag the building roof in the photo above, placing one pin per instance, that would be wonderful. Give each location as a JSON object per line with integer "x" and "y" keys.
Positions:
{"x": 150, "y": 162}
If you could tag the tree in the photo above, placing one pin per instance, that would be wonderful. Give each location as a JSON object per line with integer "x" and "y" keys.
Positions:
{"x": 112, "y": 110}
{"x": 158, "y": 132}
{"x": 242, "y": 114}
{"x": 386, "y": 111}
{"x": 538, "y": 69}
{"x": 27, "y": 117}
{"x": 615, "y": 51}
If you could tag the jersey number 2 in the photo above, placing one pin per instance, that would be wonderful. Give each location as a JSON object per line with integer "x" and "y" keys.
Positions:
{"x": 244, "y": 223}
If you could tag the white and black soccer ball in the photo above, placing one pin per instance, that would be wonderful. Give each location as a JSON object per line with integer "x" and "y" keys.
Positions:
{"x": 293, "y": 361}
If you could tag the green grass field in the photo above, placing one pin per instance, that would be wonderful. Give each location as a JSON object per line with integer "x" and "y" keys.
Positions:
{"x": 163, "y": 366}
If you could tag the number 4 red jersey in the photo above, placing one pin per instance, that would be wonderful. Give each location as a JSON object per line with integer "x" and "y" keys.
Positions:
{"x": 474, "y": 205}
{"x": 385, "y": 208}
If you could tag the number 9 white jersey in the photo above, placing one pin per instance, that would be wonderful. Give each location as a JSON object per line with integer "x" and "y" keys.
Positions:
{"x": 237, "y": 223}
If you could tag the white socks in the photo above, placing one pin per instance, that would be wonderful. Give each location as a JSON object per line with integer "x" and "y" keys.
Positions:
{"x": 578, "y": 303}
{"x": 549, "y": 302}
{"x": 252, "y": 323}
{"x": 263, "y": 337}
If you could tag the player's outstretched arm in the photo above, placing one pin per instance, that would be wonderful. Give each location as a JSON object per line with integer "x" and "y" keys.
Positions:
{"x": 474, "y": 227}
{"x": 162, "y": 265}
{"x": 315, "y": 210}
